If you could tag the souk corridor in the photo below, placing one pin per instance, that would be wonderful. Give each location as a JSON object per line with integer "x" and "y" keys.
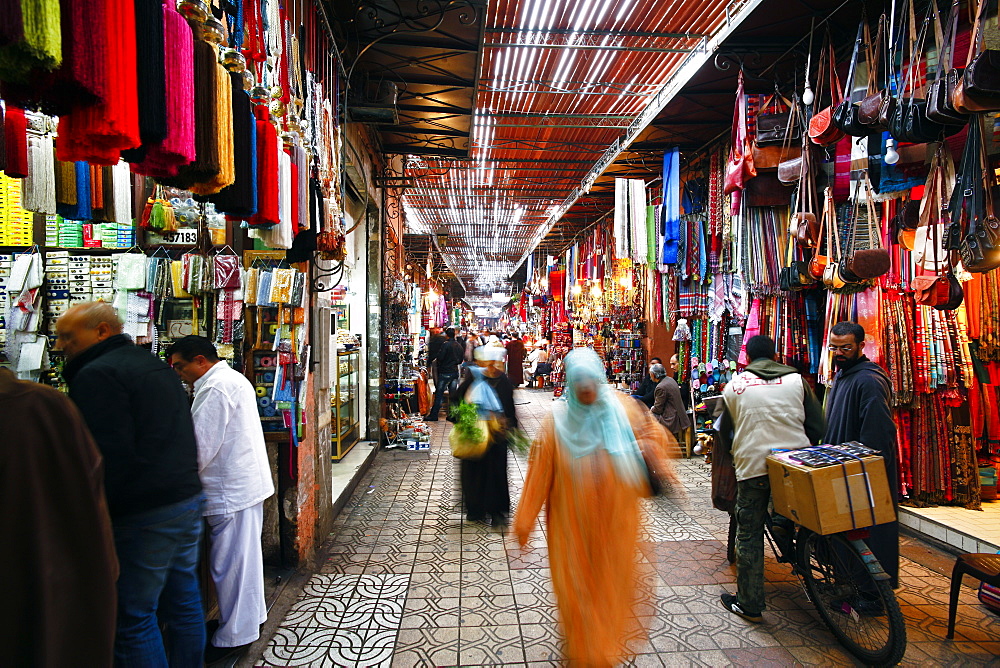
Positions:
{"x": 408, "y": 582}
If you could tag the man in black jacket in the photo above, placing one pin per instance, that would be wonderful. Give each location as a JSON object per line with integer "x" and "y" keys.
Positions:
{"x": 138, "y": 412}
{"x": 448, "y": 358}
{"x": 647, "y": 386}
{"x": 859, "y": 408}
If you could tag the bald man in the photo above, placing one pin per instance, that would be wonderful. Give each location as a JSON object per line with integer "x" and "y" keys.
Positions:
{"x": 138, "y": 412}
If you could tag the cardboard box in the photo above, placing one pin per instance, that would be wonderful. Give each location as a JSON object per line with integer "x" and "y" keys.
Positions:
{"x": 822, "y": 498}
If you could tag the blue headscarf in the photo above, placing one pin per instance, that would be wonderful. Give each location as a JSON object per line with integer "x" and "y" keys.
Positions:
{"x": 482, "y": 394}
{"x": 582, "y": 428}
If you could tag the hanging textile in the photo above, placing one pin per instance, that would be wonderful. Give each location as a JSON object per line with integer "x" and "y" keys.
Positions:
{"x": 177, "y": 148}
{"x": 15, "y": 130}
{"x": 671, "y": 205}
{"x": 150, "y": 63}
{"x": 267, "y": 170}
{"x": 239, "y": 200}
{"x": 35, "y": 44}
{"x": 637, "y": 220}
{"x": 99, "y": 133}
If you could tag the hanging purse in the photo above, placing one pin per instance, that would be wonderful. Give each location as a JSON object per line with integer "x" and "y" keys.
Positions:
{"x": 770, "y": 157}
{"x": 909, "y": 122}
{"x": 807, "y": 228}
{"x": 940, "y": 289}
{"x": 939, "y": 107}
{"x": 876, "y": 109}
{"x": 739, "y": 165}
{"x": 775, "y": 126}
{"x": 979, "y": 89}
{"x": 766, "y": 190}
{"x": 819, "y": 263}
{"x": 980, "y": 247}
{"x": 871, "y": 262}
{"x": 822, "y": 129}
{"x": 929, "y": 252}
{"x": 845, "y": 116}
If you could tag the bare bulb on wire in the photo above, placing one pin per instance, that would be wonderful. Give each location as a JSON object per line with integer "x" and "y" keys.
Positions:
{"x": 891, "y": 157}
{"x": 807, "y": 95}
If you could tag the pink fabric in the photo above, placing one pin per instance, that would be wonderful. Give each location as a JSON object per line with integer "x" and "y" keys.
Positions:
{"x": 178, "y": 147}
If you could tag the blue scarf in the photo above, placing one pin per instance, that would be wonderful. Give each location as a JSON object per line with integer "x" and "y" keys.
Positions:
{"x": 582, "y": 428}
{"x": 671, "y": 205}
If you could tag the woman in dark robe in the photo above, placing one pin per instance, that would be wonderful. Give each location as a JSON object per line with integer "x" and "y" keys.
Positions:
{"x": 485, "y": 491}
{"x": 515, "y": 360}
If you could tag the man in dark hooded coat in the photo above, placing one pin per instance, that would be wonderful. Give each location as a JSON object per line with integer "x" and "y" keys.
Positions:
{"x": 859, "y": 408}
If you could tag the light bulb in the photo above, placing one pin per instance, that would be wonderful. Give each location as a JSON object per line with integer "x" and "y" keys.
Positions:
{"x": 626, "y": 281}
{"x": 807, "y": 95}
{"x": 576, "y": 290}
{"x": 891, "y": 157}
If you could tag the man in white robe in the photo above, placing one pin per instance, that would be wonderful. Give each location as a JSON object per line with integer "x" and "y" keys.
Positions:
{"x": 236, "y": 476}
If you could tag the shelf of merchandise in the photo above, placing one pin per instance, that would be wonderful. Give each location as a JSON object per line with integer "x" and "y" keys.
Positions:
{"x": 344, "y": 404}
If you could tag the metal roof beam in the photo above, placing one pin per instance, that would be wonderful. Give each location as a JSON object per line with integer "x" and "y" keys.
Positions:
{"x": 586, "y": 47}
{"x": 598, "y": 33}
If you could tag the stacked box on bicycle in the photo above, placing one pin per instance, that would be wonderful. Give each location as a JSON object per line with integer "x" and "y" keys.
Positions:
{"x": 830, "y": 499}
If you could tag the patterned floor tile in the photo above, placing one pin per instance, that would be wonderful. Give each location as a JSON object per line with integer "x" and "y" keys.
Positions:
{"x": 490, "y": 645}
{"x": 408, "y": 582}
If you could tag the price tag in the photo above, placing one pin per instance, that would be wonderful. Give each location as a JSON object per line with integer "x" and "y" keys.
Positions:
{"x": 186, "y": 236}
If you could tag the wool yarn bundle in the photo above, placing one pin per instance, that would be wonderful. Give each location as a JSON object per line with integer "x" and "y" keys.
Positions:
{"x": 99, "y": 133}
{"x": 239, "y": 200}
{"x": 40, "y": 184}
{"x": 177, "y": 148}
{"x": 221, "y": 136}
{"x": 267, "y": 170}
{"x": 80, "y": 208}
{"x": 81, "y": 80}
{"x": 15, "y": 130}
{"x": 39, "y": 44}
{"x": 65, "y": 182}
{"x": 151, "y": 74}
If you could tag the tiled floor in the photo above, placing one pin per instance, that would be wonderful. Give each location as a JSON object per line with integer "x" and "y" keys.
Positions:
{"x": 969, "y": 530}
{"x": 409, "y": 583}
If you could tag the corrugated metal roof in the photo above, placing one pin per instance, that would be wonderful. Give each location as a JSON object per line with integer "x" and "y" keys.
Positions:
{"x": 560, "y": 82}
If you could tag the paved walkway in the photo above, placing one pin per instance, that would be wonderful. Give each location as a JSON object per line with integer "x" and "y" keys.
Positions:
{"x": 409, "y": 583}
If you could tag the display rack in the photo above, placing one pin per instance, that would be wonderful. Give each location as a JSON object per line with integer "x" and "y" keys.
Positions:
{"x": 344, "y": 403}
{"x": 627, "y": 361}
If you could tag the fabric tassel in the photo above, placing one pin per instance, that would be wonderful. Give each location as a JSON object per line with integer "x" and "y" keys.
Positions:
{"x": 15, "y": 130}
{"x": 3, "y": 142}
{"x": 40, "y": 184}
{"x": 178, "y": 146}
{"x": 239, "y": 200}
{"x": 122, "y": 197}
{"x": 152, "y": 78}
{"x": 40, "y": 46}
{"x": 267, "y": 171}
{"x": 303, "y": 163}
{"x": 147, "y": 214}
{"x": 98, "y": 134}
{"x": 82, "y": 79}
{"x": 207, "y": 163}
{"x": 96, "y": 188}
{"x": 223, "y": 136}
{"x": 65, "y": 179}
{"x": 80, "y": 210}
{"x": 156, "y": 217}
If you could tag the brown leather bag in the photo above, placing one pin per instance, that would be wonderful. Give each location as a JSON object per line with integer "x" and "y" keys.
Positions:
{"x": 822, "y": 131}
{"x": 939, "y": 106}
{"x": 767, "y": 158}
{"x": 930, "y": 290}
{"x": 766, "y": 190}
{"x": 871, "y": 262}
{"x": 819, "y": 263}
{"x": 876, "y": 108}
{"x": 979, "y": 88}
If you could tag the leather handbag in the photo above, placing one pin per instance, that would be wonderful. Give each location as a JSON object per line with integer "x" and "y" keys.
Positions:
{"x": 909, "y": 122}
{"x": 876, "y": 108}
{"x": 980, "y": 246}
{"x": 806, "y": 225}
{"x": 789, "y": 171}
{"x": 766, "y": 190}
{"x": 873, "y": 261}
{"x": 773, "y": 127}
{"x": 822, "y": 130}
{"x": 739, "y": 165}
{"x": 845, "y": 116}
{"x": 770, "y": 157}
{"x": 818, "y": 263}
{"x": 932, "y": 290}
{"x": 978, "y": 90}
{"x": 939, "y": 106}
{"x": 929, "y": 252}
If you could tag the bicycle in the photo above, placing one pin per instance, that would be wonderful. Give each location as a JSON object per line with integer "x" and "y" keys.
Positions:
{"x": 849, "y": 588}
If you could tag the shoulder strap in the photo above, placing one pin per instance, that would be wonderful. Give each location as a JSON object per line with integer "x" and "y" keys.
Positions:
{"x": 854, "y": 59}
{"x": 976, "y": 39}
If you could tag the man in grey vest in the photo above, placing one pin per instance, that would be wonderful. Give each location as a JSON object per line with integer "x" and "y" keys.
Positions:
{"x": 767, "y": 406}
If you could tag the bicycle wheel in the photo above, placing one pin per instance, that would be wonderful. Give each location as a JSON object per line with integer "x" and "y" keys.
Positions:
{"x": 861, "y": 611}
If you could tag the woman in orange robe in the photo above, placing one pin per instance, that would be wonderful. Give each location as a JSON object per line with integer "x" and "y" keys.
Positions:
{"x": 586, "y": 467}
